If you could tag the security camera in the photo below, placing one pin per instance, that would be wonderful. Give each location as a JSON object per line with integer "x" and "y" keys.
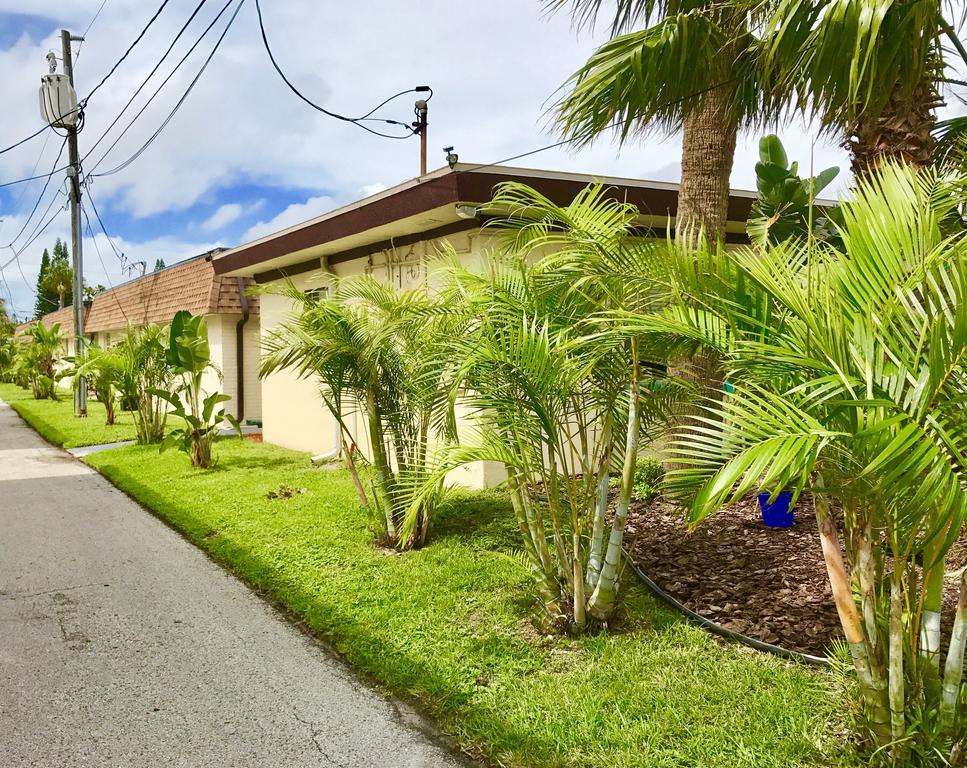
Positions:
{"x": 452, "y": 157}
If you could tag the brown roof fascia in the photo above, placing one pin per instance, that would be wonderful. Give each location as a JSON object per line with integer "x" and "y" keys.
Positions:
{"x": 407, "y": 202}
{"x": 459, "y": 186}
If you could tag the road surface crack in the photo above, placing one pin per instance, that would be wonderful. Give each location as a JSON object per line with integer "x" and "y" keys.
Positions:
{"x": 315, "y": 735}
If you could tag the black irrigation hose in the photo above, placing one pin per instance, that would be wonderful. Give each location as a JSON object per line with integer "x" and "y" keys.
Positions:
{"x": 717, "y": 629}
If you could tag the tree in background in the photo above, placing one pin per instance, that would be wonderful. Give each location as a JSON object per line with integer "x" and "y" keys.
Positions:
{"x": 46, "y": 302}
{"x": 58, "y": 281}
{"x": 7, "y": 324}
{"x": 55, "y": 280}
{"x": 159, "y": 264}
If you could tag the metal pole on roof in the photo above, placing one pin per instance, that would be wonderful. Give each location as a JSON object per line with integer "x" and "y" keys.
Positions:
{"x": 74, "y": 177}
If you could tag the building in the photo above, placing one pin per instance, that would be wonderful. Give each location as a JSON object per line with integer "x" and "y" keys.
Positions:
{"x": 392, "y": 235}
{"x": 232, "y": 317}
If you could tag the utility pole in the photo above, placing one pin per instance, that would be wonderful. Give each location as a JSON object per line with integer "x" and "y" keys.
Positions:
{"x": 74, "y": 177}
{"x": 420, "y": 125}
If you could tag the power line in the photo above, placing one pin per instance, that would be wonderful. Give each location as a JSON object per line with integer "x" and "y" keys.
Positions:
{"x": 97, "y": 250}
{"x": 41, "y": 196}
{"x": 131, "y": 47}
{"x": 181, "y": 101}
{"x": 23, "y": 191}
{"x": 335, "y": 115}
{"x": 90, "y": 24}
{"x": 144, "y": 82}
{"x": 157, "y": 90}
{"x": 83, "y": 102}
{"x": 33, "y": 237}
{"x": 584, "y": 137}
{"x": 24, "y": 141}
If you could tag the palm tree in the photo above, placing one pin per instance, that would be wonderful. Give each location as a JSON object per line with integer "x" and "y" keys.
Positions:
{"x": 559, "y": 398}
{"x": 376, "y": 349}
{"x": 145, "y": 368}
{"x": 103, "y": 369}
{"x": 40, "y": 357}
{"x": 872, "y": 71}
{"x": 58, "y": 280}
{"x": 688, "y": 67}
{"x": 851, "y": 389}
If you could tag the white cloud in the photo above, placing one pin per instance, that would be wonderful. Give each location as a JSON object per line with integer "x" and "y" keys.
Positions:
{"x": 222, "y": 217}
{"x": 372, "y": 189}
{"x": 294, "y": 214}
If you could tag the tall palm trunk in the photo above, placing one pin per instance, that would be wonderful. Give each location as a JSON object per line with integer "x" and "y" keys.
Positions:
{"x": 708, "y": 150}
{"x": 901, "y": 132}
{"x": 709, "y": 135}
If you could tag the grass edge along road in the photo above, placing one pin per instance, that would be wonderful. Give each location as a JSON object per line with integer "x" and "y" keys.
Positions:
{"x": 447, "y": 626}
{"x": 54, "y": 419}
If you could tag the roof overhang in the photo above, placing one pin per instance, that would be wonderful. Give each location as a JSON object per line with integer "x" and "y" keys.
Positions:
{"x": 426, "y": 208}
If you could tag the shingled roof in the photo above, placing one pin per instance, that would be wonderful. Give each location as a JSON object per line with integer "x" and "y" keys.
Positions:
{"x": 156, "y": 297}
{"x": 63, "y": 316}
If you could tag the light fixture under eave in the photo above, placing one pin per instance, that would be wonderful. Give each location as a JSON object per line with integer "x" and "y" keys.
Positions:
{"x": 465, "y": 211}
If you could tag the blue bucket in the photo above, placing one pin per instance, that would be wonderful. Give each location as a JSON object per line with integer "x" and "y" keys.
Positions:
{"x": 779, "y": 513}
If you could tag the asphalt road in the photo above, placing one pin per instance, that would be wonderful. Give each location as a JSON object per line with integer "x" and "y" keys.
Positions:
{"x": 123, "y": 645}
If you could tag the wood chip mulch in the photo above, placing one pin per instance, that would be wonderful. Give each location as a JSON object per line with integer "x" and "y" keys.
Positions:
{"x": 767, "y": 583}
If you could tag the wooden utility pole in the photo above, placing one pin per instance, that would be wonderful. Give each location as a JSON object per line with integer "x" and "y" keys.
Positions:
{"x": 421, "y": 123}
{"x": 74, "y": 177}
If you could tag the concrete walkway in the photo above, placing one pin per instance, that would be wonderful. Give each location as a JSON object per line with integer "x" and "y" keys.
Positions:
{"x": 123, "y": 645}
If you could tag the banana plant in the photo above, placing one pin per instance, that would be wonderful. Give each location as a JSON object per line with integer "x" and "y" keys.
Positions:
{"x": 189, "y": 356}
{"x": 785, "y": 203}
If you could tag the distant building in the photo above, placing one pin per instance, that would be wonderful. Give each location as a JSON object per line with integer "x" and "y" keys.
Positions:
{"x": 233, "y": 322}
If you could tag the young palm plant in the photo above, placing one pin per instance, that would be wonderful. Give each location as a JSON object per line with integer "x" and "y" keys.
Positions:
{"x": 40, "y": 357}
{"x": 852, "y": 389}
{"x": 560, "y": 399}
{"x": 378, "y": 350}
{"x": 103, "y": 371}
{"x": 145, "y": 369}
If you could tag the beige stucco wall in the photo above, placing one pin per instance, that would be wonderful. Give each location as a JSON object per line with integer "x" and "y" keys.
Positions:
{"x": 222, "y": 342}
{"x": 294, "y": 415}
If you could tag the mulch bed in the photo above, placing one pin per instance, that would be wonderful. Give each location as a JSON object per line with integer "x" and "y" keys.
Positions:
{"x": 767, "y": 583}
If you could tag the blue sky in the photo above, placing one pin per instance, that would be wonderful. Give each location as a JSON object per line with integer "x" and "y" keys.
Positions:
{"x": 243, "y": 156}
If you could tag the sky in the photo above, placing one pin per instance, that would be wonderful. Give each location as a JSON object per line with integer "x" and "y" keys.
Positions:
{"x": 244, "y": 157}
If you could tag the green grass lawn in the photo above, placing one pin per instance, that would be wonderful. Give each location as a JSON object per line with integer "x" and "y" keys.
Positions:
{"x": 55, "y": 420}
{"x": 447, "y": 627}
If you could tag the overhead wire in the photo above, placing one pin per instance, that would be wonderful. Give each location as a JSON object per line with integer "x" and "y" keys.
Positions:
{"x": 40, "y": 196}
{"x": 181, "y": 101}
{"x": 335, "y": 115}
{"x": 125, "y": 55}
{"x": 97, "y": 250}
{"x": 164, "y": 82}
{"x": 23, "y": 191}
{"x": 145, "y": 81}
{"x": 83, "y": 102}
{"x": 88, "y": 29}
